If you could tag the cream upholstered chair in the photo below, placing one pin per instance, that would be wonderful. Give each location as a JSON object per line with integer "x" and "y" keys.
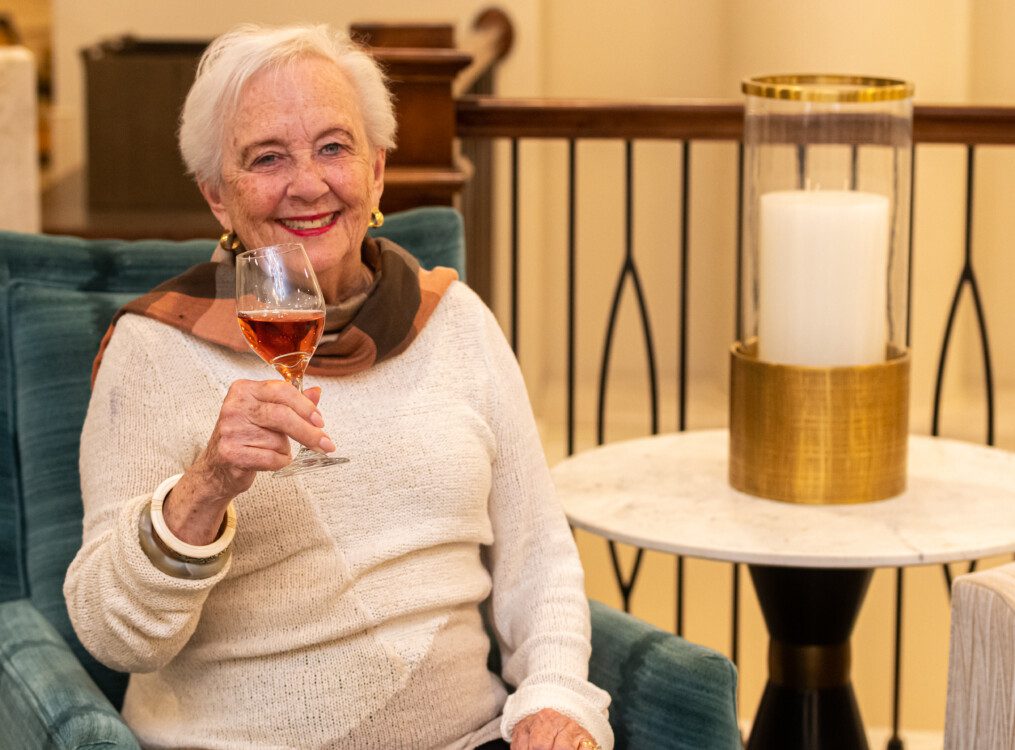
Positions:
{"x": 981, "y": 665}
{"x": 19, "y": 155}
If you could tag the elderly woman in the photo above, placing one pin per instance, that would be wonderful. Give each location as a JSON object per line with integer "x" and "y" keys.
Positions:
{"x": 341, "y": 608}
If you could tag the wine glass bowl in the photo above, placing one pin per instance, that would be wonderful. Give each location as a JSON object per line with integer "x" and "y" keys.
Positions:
{"x": 280, "y": 310}
{"x": 284, "y": 339}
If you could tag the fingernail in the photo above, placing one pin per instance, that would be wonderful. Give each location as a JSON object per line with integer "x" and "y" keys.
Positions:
{"x": 327, "y": 445}
{"x": 317, "y": 419}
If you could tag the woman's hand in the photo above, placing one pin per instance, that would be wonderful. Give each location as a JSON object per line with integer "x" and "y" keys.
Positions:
{"x": 549, "y": 730}
{"x": 252, "y": 434}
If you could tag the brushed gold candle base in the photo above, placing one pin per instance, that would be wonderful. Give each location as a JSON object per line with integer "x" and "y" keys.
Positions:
{"x": 818, "y": 435}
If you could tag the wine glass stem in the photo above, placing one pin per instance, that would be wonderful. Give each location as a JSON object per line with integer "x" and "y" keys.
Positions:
{"x": 292, "y": 374}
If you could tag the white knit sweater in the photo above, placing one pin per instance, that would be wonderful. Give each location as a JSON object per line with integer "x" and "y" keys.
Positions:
{"x": 349, "y": 616}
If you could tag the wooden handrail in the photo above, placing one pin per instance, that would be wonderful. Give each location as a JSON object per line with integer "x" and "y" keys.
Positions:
{"x": 495, "y": 117}
{"x": 490, "y": 42}
{"x": 408, "y": 35}
{"x": 983, "y": 126}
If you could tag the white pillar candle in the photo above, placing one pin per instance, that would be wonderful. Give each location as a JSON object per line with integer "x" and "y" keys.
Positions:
{"x": 823, "y": 277}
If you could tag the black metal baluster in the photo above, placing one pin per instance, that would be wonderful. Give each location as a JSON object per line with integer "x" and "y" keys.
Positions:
{"x": 801, "y": 166}
{"x": 685, "y": 249}
{"x": 514, "y": 245}
{"x": 679, "y": 627}
{"x": 946, "y": 569}
{"x": 738, "y": 336}
{"x": 981, "y": 318}
{"x": 895, "y": 742}
{"x": 939, "y": 378}
{"x": 738, "y": 304}
{"x": 626, "y": 586}
{"x": 735, "y": 619}
{"x": 893, "y": 251}
{"x": 967, "y": 277}
{"x": 571, "y": 213}
{"x": 685, "y": 235}
{"x": 628, "y": 269}
{"x": 854, "y": 160}
{"x": 909, "y": 278}
{"x": 988, "y": 372}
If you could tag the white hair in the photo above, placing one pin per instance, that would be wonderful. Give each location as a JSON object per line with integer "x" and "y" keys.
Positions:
{"x": 232, "y": 59}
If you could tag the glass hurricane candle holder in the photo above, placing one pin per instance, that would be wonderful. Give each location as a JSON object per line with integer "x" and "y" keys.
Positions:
{"x": 820, "y": 372}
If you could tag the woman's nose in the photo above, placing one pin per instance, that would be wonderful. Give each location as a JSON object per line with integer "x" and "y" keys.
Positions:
{"x": 307, "y": 183}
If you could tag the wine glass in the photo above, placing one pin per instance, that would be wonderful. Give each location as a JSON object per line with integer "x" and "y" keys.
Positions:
{"x": 280, "y": 309}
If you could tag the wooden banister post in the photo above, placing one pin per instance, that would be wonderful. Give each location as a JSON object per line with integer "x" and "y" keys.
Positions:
{"x": 490, "y": 42}
{"x": 421, "y": 62}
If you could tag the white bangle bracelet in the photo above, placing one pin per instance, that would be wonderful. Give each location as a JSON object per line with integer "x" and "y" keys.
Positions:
{"x": 167, "y": 562}
{"x": 190, "y": 553}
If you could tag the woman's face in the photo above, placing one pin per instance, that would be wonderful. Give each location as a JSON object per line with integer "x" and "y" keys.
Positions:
{"x": 297, "y": 167}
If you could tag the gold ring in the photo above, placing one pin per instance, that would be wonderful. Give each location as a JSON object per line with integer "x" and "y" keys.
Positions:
{"x": 588, "y": 744}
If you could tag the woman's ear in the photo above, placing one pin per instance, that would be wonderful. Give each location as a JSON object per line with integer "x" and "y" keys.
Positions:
{"x": 213, "y": 195}
{"x": 378, "y": 184}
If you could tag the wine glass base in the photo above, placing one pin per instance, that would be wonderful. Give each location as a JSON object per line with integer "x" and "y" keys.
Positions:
{"x": 307, "y": 460}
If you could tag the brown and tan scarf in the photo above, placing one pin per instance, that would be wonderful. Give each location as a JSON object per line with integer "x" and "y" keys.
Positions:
{"x": 202, "y": 302}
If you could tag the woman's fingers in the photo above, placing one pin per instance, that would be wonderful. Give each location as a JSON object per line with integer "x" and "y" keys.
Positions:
{"x": 314, "y": 394}
{"x": 277, "y": 407}
{"x": 570, "y": 737}
{"x": 239, "y": 444}
{"x": 267, "y": 459}
{"x": 282, "y": 420}
{"x": 537, "y": 732}
{"x": 520, "y": 736}
{"x": 251, "y": 434}
{"x": 547, "y": 730}
{"x": 252, "y": 393}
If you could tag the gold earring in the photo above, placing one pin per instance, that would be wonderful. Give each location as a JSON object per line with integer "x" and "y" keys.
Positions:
{"x": 376, "y": 219}
{"x": 229, "y": 241}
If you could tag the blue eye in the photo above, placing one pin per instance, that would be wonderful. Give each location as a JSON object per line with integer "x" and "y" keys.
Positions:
{"x": 332, "y": 149}
{"x": 266, "y": 160}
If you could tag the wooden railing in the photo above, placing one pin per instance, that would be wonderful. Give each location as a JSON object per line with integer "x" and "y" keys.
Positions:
{"x": 494, "y": 117}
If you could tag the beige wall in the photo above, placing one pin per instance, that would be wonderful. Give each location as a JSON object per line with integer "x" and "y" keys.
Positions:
{"x": 993, "y": 82}
{"x": 77, "y": 25}
{"x": 954, "y": 50}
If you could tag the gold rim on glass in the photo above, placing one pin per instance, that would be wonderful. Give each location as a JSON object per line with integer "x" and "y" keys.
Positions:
{"x": 827, "y": 88}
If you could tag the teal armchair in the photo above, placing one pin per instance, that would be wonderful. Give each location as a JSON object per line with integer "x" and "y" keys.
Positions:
{"x": 57, "y": 295}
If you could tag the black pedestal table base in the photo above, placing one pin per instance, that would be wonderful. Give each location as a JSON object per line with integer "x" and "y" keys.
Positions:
{"x": 808, "y": 703}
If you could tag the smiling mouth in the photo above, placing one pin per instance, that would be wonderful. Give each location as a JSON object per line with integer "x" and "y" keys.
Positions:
{"x": 308, "y": 223}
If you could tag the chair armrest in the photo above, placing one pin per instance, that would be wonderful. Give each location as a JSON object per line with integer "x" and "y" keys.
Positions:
{"x": 667, "y": 692}
{"x": 981, "y": 661}
{"x": 46, "y": 697}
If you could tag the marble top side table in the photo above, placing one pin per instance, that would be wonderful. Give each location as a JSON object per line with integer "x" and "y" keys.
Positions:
{"x": 810, "y": 565}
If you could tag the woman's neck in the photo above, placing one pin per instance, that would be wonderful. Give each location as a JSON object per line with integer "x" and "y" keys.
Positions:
{"x": 347, "y": 285}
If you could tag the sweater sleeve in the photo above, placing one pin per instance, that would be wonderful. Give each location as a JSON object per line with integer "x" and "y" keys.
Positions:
{"x": 539, "y": 610}
{"x": 127, "y": 613}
